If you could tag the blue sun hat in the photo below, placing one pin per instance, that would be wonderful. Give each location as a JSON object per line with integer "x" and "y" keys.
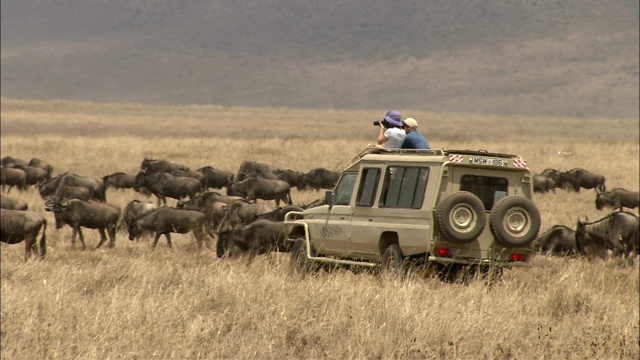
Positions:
{"x": 393, "y": 118}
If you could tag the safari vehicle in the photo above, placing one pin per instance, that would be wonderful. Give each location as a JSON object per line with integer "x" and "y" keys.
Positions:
{"x": 440, "y": 209}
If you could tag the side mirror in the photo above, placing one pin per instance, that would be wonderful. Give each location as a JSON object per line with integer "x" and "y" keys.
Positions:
{"x": 329, "y": 198}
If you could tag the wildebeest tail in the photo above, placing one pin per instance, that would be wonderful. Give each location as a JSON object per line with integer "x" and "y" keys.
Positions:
{"x": 43, "y": 240}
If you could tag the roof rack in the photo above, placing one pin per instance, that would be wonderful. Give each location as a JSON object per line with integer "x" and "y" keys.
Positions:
{"x": 441, "y": 152}
{"x": 377, "y": 150}
{"x": 481, "y": 153}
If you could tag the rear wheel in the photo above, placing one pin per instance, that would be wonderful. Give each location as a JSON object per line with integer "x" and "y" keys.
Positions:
{"x": 393, "y": 262}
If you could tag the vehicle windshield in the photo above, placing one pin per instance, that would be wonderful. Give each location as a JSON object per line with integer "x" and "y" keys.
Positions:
{"x": 344, "y": 189}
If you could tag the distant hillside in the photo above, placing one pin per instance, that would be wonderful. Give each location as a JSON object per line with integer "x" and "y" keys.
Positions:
{"x": 577, "y": 58}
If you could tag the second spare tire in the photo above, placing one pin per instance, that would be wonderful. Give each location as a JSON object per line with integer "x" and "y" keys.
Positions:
{"x": 514, "y": 221}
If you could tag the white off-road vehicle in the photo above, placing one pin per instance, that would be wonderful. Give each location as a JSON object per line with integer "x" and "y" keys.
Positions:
{"x": 439, "y": 209}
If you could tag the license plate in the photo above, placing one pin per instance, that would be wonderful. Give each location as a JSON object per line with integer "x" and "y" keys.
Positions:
{"x": 488, "y": 161}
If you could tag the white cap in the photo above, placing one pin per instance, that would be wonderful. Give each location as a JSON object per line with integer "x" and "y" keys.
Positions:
{"x": 411, "y": 122}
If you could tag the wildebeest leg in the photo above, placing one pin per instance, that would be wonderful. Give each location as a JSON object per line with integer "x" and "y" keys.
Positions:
{"x": 81, "y": 238}
{"x": 29, "y": 246}
{"x": 168, "y": 236}
{"x": 103, "y": 237}
{"x": 201, "y": 236}
{"x": 112, "y": 236}
{"x": 155, "y": 239}
{"x": 73, "y": 237}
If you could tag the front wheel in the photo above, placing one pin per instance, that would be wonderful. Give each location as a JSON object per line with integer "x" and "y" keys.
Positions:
{"x": 392, "y": 261}
{"x": 300, "y": 264}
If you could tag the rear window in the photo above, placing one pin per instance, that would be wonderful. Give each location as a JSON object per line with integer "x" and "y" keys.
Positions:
{"x": 488, "y": 189}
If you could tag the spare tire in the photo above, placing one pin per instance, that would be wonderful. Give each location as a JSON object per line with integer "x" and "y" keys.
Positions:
{"x": 514, "y": 221}
{"x": 461, "y": 217}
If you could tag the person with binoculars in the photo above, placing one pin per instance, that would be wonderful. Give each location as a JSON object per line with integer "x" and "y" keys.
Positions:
{"x": 391, "y": 133}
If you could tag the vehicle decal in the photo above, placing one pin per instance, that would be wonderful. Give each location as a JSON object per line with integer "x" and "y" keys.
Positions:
{"x": 330, "y": 230}
{"x": 519, "y": 163}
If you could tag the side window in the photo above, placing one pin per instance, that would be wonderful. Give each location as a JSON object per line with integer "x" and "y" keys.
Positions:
{"x": 488, "y": 189}
{"x": 368, "y": 186}
{"x": 344, "y": 189}
{"x": 404, "y": 187}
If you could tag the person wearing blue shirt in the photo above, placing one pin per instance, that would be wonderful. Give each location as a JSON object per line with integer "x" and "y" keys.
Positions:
{"x": 413, "y": 140}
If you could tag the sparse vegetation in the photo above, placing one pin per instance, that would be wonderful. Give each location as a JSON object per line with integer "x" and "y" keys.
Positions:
{"x": 134, "y": 303}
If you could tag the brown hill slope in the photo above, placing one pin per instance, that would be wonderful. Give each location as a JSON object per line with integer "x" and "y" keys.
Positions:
{"x": 577, "y": 58}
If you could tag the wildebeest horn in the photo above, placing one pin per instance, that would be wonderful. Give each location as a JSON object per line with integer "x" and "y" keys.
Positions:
{"x": 49, "y": 202}
{"x": 64, "y": 202}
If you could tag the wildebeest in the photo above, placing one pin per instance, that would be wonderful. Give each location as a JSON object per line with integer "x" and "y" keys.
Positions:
{"x": 10, "y": 177}
{"x": 260, "y": 174}
{"x": 17, "y": 226}
{"x": 189, "y": 173}
{"x": 95, "y": 186}
{"x": 12, "y": 204}
{"x": 215, "y": 178}
{"x": 542, "y": 184}
{"x": 89, "y": 214}
{"x": 35, "y": 162}
{"x": 134, "y": 210}
{"x": 293, "y": 178}
{"x": 616, "y": 233}
{"x": 34, "y": 174}
{"x": 71, "y": 192}
{"x": 320, "y": 178}
{"x": 207, "y": 198}
{"x": 279, "y": 213}
{"x": 617, "y": 198}
{"x": 558, "y": 240}
{"x": 242, "y": 212}
{"x": 149, "y": 166}
{"x": 552, "y": 174}
{"x": 166, "y": 220}
{"x": 247, "y": 167}
{"x": 163, "y": 184}
{"x": 8, "y": 161}
{"x": 257, "y": 188}
{"x": 214, "y": 212}
{"x": 119, "y": 180}
{"x": 259, "y": 237}
{"x": 580, "y": 178}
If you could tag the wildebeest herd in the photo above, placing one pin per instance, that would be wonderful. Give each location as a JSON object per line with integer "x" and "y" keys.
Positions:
{"x": 81, "y": 202}
{"x": 615, "y": 234}
{"x": 243, "y": 225}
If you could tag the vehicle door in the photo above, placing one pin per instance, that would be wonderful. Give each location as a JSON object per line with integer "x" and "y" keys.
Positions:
{"x": 363, "y": 236}
{"x": 331, "y": 235}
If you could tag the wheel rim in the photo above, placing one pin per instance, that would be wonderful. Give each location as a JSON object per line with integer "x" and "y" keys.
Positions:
{"x": 517, "y": 221}
{"x": 463, "y": 218}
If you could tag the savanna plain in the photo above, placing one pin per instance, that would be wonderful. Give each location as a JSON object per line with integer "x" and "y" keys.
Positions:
{"x": 132, "y": 302}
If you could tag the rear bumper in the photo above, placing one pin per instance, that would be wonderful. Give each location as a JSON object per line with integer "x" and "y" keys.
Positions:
{"x": 485, "y": 262}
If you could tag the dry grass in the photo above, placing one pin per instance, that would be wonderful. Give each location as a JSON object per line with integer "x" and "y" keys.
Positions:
{"x": 134, "y": 303}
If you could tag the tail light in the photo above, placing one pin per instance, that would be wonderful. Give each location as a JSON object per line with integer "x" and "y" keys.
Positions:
{"x": 518, "y": 257}
{"x": 441, "y": 251}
